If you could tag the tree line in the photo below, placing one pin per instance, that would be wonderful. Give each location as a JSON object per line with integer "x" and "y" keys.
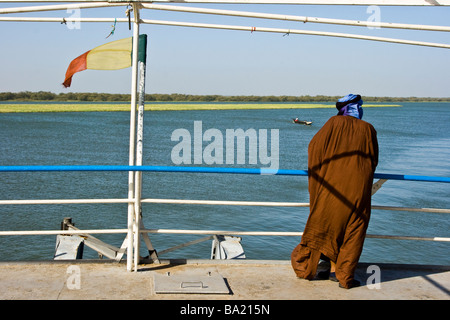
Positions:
{"x": 176, "y": 97}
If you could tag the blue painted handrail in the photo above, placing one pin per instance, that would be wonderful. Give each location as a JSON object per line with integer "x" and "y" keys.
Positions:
{"x": 258, "y": 171}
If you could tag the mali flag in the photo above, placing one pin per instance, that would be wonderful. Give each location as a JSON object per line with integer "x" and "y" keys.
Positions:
{"x": 113, "y": 55}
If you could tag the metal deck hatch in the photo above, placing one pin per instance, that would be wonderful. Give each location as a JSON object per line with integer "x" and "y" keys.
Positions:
{"x": 210, "y": 282}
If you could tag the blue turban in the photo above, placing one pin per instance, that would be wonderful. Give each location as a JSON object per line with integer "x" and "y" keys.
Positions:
{"x": 350, "y": 105}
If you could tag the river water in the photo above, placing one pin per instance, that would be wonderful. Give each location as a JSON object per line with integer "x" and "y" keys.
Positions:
{"x": 414, "y": 139}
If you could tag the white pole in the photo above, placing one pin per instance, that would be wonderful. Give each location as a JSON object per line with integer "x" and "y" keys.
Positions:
{"x": 227, "y": 203}
{"x": 61, "y": 20}
{"x": 60, "y": 7}
{"x": 294, "y": 31}
{"x": 138, "y": 174}
{"x": 204, "y": 202}
{"x": 132, "y": 228}
{"x": 219, "y": 12}
{"x": 281, "y": 233}
{"x": 296, "y": 18}
{"x": 315, "y": 2}
{"x": 203, "y": 232}
{"x": 308, "y": 19}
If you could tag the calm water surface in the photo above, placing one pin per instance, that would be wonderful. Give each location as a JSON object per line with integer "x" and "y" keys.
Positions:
{"x": 414, "y": 139}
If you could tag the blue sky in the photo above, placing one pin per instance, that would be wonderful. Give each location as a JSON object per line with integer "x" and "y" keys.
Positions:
{"x": 35, "y": 56}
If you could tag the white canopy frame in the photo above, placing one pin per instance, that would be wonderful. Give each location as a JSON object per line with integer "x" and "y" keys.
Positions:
{"x": 307, "y": 2}
{"x": 303, "y": 19}
{"x": 143, "y": 5}
{"x": 135, "y": 226}
{"x": 235, "y": 14}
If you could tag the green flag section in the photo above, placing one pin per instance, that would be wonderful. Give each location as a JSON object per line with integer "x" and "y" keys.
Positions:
{"x": 113, "y": 55}
{"x": 142, "y": 54}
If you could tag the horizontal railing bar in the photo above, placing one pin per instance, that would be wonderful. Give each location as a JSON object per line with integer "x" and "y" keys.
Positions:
{"x": 56, "y": 232}
{"x": 204, "y": 232}
{"x": 257, "y": 171}
{"x": 277, "y": 204}
{"x": 227, "y": 203}
{"x": 223, "y": 232}
{"x": 441, "y": 239}
{"x": 202, "y": 202}
{"x": 66, "y": 201}
{"x": 274, "y": 233}
{"x": 434, "y": 210}
{"x": 411, "y": 177}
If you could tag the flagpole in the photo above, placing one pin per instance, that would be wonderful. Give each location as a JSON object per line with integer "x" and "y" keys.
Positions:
{"x": 142, "y": 57}
{"x": 132, "y": 228}
{"x": 139, "y": 147}
{"x": 138, "y": 174}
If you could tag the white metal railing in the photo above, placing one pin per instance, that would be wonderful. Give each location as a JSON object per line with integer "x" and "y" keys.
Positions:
{"x": 135, "y": 227}
{"x": 198, "y": 202}
{"x": 206, "y": 202}
{"x": 200, "y": 232}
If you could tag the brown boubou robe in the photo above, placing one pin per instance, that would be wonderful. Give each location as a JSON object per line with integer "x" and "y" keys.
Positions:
{"x": 342, "y": 158}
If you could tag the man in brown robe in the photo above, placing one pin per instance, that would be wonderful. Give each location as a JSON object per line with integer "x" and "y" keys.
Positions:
{"x": 342, "y": 158}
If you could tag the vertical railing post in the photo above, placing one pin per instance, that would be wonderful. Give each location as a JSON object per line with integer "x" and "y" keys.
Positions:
{"x": 138, "y": 174}
{"x": 132, "y": 228}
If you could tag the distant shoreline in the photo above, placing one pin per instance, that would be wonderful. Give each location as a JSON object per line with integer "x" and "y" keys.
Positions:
{"x": 98, "y": 107}
{"x": 98, "y": 97}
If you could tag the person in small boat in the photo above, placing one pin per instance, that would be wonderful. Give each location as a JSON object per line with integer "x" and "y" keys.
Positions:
{"x": 342, "y": 158}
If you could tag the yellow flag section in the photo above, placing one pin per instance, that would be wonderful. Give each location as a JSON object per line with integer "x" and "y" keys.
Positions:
{"x": 109, "y": 56}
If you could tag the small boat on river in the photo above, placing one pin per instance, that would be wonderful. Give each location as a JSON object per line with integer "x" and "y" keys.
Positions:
{"x": 305, "y": 122}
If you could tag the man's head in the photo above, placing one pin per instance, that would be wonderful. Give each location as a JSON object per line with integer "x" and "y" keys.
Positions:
{"x": 350, "y": 105}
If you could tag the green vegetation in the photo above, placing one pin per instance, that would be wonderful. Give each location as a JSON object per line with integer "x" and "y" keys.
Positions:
{"x": 56, "y": 107}
{"x": 43, "y": 101}
{"x": 86, "y": 107}
{"x": 237, "y": 106}
{"x": 108, "y": 97}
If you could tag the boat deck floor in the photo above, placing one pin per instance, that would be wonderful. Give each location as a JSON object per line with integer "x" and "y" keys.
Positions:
{"x": 245, "y": 280}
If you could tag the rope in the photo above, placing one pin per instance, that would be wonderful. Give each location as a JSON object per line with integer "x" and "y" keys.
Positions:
{"x": 113, "y": 29}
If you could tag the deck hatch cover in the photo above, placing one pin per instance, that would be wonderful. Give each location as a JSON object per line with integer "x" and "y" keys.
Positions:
{"x": 187, "y": 282}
